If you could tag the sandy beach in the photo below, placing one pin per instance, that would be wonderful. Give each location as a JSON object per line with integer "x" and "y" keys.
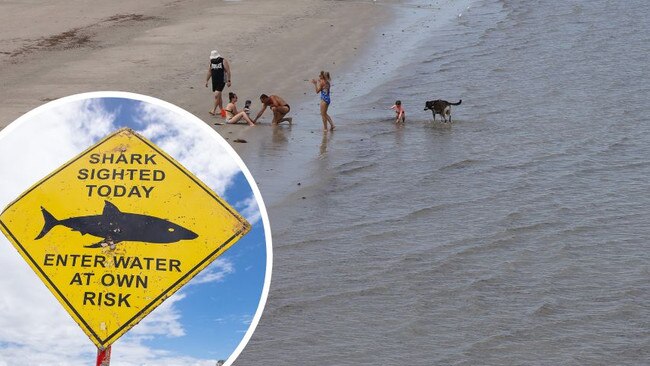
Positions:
{"x": 162, "y": 49}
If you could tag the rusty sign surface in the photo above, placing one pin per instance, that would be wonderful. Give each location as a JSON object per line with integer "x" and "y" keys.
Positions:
{"x": 118, "y": 229}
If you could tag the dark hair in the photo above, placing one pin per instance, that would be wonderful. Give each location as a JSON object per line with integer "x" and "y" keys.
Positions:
{"x": 263, "y": 96}
{"x": 231, "y": 96}
{"x": 399, "y": 102}
{"x": 325, "y": 75}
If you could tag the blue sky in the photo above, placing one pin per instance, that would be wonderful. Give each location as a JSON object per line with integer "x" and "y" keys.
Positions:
{"x": 209, "y": 317}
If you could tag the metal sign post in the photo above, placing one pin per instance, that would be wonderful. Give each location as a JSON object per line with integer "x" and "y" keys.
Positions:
{"x": 104, "y": 356}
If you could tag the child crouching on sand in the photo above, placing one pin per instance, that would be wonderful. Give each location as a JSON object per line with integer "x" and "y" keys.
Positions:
{"x": 399, "y": 111}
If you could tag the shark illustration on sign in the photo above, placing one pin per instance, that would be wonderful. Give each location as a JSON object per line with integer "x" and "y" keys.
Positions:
{"x": 115, "y": 226}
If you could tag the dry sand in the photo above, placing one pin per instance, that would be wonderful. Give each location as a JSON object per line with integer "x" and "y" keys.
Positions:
{"x": 162, "y": 49}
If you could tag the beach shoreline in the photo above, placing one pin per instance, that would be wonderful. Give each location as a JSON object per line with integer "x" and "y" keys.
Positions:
{"x": 162, "y": 50}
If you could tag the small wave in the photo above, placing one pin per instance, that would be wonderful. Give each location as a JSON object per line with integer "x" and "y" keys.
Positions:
{"x": 608, "y": 169}
{"x": 357, "y": 169}
{"x": 547, "y": 308}
{"x": 434, "y": 59}
{"x": 540, "y": 226}
{"x": 616, "y": 146}
{"x": 488, "y": 246}
{"x": 333, "y": 296}
{"x": 523, "y": 165}
{"x": 426, "y": 211}
{"x": 513, "y": 216}
{"x": 460, "y": 164}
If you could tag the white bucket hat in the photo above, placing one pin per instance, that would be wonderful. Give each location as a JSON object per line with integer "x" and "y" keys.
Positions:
{"x": 214, "y": 54}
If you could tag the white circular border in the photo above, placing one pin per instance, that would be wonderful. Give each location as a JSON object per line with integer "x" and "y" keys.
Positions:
{"x": 233, "y": 154}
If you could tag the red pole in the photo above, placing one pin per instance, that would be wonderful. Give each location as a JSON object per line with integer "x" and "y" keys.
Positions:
{"x": 104, "y": 356}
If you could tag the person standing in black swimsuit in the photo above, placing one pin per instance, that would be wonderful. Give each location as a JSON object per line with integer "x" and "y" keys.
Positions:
{"x": 219, "y": 72}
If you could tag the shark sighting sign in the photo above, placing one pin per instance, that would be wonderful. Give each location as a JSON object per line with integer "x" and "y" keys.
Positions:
{"x": 117, "y": 230}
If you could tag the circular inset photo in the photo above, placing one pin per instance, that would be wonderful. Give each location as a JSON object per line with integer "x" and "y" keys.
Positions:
{"x": 133, "y": 235}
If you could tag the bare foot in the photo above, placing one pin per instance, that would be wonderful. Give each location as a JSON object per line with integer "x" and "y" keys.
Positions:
{"x": 212, "y": 113}
{"x": 332, "y": 128}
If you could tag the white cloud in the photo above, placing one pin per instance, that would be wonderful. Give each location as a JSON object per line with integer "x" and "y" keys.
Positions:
{"x": 215, "y": 272}
{"x": 164, "y": 320}
{"x": 249, "y": 209}
{"x": 34, "y": 328}
{"x": 34, "y": 149}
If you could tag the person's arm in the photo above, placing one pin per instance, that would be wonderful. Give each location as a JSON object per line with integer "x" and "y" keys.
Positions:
{"x": 317, "y": 85}
{"x": 260, "y": 113}
{"x": 226, "y": 67}
{"x": 400, "y": 115}
{"x": 209, "y": 75}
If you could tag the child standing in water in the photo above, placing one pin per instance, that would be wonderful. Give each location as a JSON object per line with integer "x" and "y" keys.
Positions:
{"x": 399, "y": 111}
{"x": 322, "y": 86}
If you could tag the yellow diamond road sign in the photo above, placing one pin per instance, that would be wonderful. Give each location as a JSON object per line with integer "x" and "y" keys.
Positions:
{"x": 117, "y": 230}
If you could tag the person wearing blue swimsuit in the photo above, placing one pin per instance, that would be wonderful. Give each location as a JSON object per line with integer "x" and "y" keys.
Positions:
{"x": 322, "y": 86}
{"x": 325, "y": 95}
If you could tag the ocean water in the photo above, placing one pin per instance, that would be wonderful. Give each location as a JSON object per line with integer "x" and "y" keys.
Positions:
{"x": 516, "y": 235}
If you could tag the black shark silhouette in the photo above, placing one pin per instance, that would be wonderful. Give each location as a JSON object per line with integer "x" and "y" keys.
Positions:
{"x": 115, "y": 226}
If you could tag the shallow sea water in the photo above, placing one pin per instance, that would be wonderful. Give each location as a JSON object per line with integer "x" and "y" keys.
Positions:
{"x": 517, "y": 235}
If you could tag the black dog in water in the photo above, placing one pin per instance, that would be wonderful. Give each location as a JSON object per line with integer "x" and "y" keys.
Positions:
{"x": 441, "y": 107}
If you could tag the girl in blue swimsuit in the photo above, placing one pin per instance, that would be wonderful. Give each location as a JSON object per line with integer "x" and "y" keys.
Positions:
{"x": 322, "y": 86}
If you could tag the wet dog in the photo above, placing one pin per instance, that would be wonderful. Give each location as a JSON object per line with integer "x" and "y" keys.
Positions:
{"x": 441, "y": 107}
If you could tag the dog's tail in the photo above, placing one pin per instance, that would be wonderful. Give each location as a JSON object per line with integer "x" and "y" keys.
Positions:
{"x": 460, "y": 101}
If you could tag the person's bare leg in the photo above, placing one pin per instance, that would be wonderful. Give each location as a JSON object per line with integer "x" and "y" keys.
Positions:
{"x": 235, "y": 119}
{"x": 213, "y": 111}
{"x": 287, "y": 119}
{"x": 326, "y": 118}
{"x": 279, "y": 115}
{"x": 329, "y": 119}
{"x": 323, "y": 114}
{"x": 246, "y": 118}
{"x": 218, "y": 103}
